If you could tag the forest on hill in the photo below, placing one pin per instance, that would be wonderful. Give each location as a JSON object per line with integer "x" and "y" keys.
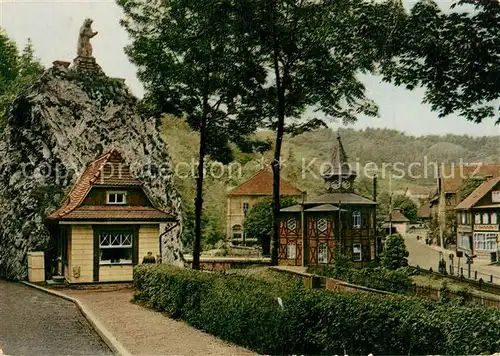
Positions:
{"x": 382, "y": 150}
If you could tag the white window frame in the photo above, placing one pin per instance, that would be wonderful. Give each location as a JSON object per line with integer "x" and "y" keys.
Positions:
{"x": 464, "y": 242}
{"x": 115, "y": 240}
{"x": 357, "y": 256}
{"x": 322, "y": 224}
{"x": 486, "y": 218}
{"x": 477, "y": 218}
{"x": 485, "y": 241}
{"x": 356, "y": 219}
{"x": 291, "y": 251}
{"x": 494, "y": 218}
{"x": 116, "y": 193}
{"x": 322, "y": 253}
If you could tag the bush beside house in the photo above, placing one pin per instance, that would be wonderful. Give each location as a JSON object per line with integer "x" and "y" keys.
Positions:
{"x": 246, "y": 311}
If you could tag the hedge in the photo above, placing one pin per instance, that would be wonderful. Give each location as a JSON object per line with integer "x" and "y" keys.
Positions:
{"x": 396, "y": 281}
{"x": 245, "y": 311}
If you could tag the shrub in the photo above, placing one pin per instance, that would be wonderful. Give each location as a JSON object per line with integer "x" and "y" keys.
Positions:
{"x": 395, "y": 254}
{"x": 244, "y": 310}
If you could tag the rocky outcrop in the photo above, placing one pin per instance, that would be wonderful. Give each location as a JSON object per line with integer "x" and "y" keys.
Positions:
{"x": 59, "y": 125}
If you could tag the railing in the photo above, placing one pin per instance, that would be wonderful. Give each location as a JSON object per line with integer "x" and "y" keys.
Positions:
{"x": 436, "y": 294}
{"x": 482, "y": 281}
{"x": 315, "y": 281}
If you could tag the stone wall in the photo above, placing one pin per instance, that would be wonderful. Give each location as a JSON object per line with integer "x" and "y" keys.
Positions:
{"x": 54, "y": 129}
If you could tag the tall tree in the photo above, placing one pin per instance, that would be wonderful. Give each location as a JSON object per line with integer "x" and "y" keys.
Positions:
{"x": 455, "y": 56}
{"x": 314, "y": 51}
{"x": 193, "y": 62}
{"x": 17, "y": 70}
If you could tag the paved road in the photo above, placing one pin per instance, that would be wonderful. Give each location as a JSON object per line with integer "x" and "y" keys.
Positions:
{"x": 426, "y": 257}
{"x": 36, "y": 323}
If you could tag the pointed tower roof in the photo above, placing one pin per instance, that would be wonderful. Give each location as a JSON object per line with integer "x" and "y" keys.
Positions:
{"x": 339, "y": 164}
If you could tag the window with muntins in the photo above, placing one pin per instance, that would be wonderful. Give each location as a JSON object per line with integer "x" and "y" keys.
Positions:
{"x": 356, "y": 219}
{"x": 477, "y": 218}
{"x": 115, "y": 247}
{"x": 322, "y": 253}
{"x": 357, "y": 255}
{"x": 291, "y": 251}
{"x": 486, "y": 218}
{"x": 485, "y": 241}
{"x": 494, "y": 218}
{"x": 116, "y": 198}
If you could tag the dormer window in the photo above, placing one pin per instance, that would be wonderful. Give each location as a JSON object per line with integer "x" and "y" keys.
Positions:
{"x": 116, "y": 198}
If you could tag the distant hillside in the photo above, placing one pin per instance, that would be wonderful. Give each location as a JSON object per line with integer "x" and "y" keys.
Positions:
{"x": 383, "y": 147}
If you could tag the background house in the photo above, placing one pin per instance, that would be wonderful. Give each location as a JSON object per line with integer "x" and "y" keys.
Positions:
{"x": 424, "y": 213}
{"x": 447, "y": 194}
{"x": 398, "y": 221}
{"x": 241, "y": 199}
{"x": 418, "y": 194}
{"x": 478, "y": 217}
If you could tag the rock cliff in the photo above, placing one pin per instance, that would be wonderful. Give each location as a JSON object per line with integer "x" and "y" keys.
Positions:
{"x": 54, "y": 129}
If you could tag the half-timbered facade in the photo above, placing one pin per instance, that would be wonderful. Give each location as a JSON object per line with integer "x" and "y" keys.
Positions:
{"x": 339, "y": 222}
{"x": 478, "y": 219}
{"x": 106, "y": 225}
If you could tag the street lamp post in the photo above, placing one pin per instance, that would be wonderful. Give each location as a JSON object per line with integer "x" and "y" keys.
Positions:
{"x": 245, "y": 210}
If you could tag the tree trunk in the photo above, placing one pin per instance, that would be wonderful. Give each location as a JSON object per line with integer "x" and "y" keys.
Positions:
{"x": 199, "y": 189}
{"x": 280, "y": 108}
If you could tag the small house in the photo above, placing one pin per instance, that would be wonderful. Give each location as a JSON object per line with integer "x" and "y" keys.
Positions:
{"x": 398, "y": 221}
{"x": 106, "y": 225}
{"x": 337, "y": 223}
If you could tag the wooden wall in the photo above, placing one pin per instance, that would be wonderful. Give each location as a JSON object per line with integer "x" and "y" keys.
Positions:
{"x": 149, "y": 240}
{"x": 81, "y": 254}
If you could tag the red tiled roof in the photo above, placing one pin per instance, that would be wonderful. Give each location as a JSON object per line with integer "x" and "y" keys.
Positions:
{"x": 397, "y": 216}
{"x": 453, "y": 176}
{"x": 262, "y": 184}
{"x": 109, "y": 169}
{"x": 478, "y": 193}
{"x": 108, "y": 212}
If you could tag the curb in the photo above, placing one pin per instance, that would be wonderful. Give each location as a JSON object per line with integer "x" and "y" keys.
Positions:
{"x": 115, "y": 346}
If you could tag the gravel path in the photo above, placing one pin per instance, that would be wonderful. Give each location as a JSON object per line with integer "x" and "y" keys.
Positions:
{"x": 36, "y": 323}
{"x": 145, "y": 332}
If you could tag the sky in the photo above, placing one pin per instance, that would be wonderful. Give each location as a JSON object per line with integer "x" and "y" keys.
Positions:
{"x": 53, "y": 26}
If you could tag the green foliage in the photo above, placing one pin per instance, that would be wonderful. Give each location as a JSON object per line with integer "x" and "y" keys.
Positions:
{"x": 395, "y": 254}
{"x": 377, "y": 278}
{"x": 17, "y": 71}
{"x": 258, "y": 222}
{"x": 402, "y": 202}
{"x": 193, "y": 61}
{"x": 245, "y": 310}
{"x": 454, "y": 56}
{"x": 406, "y": 205}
